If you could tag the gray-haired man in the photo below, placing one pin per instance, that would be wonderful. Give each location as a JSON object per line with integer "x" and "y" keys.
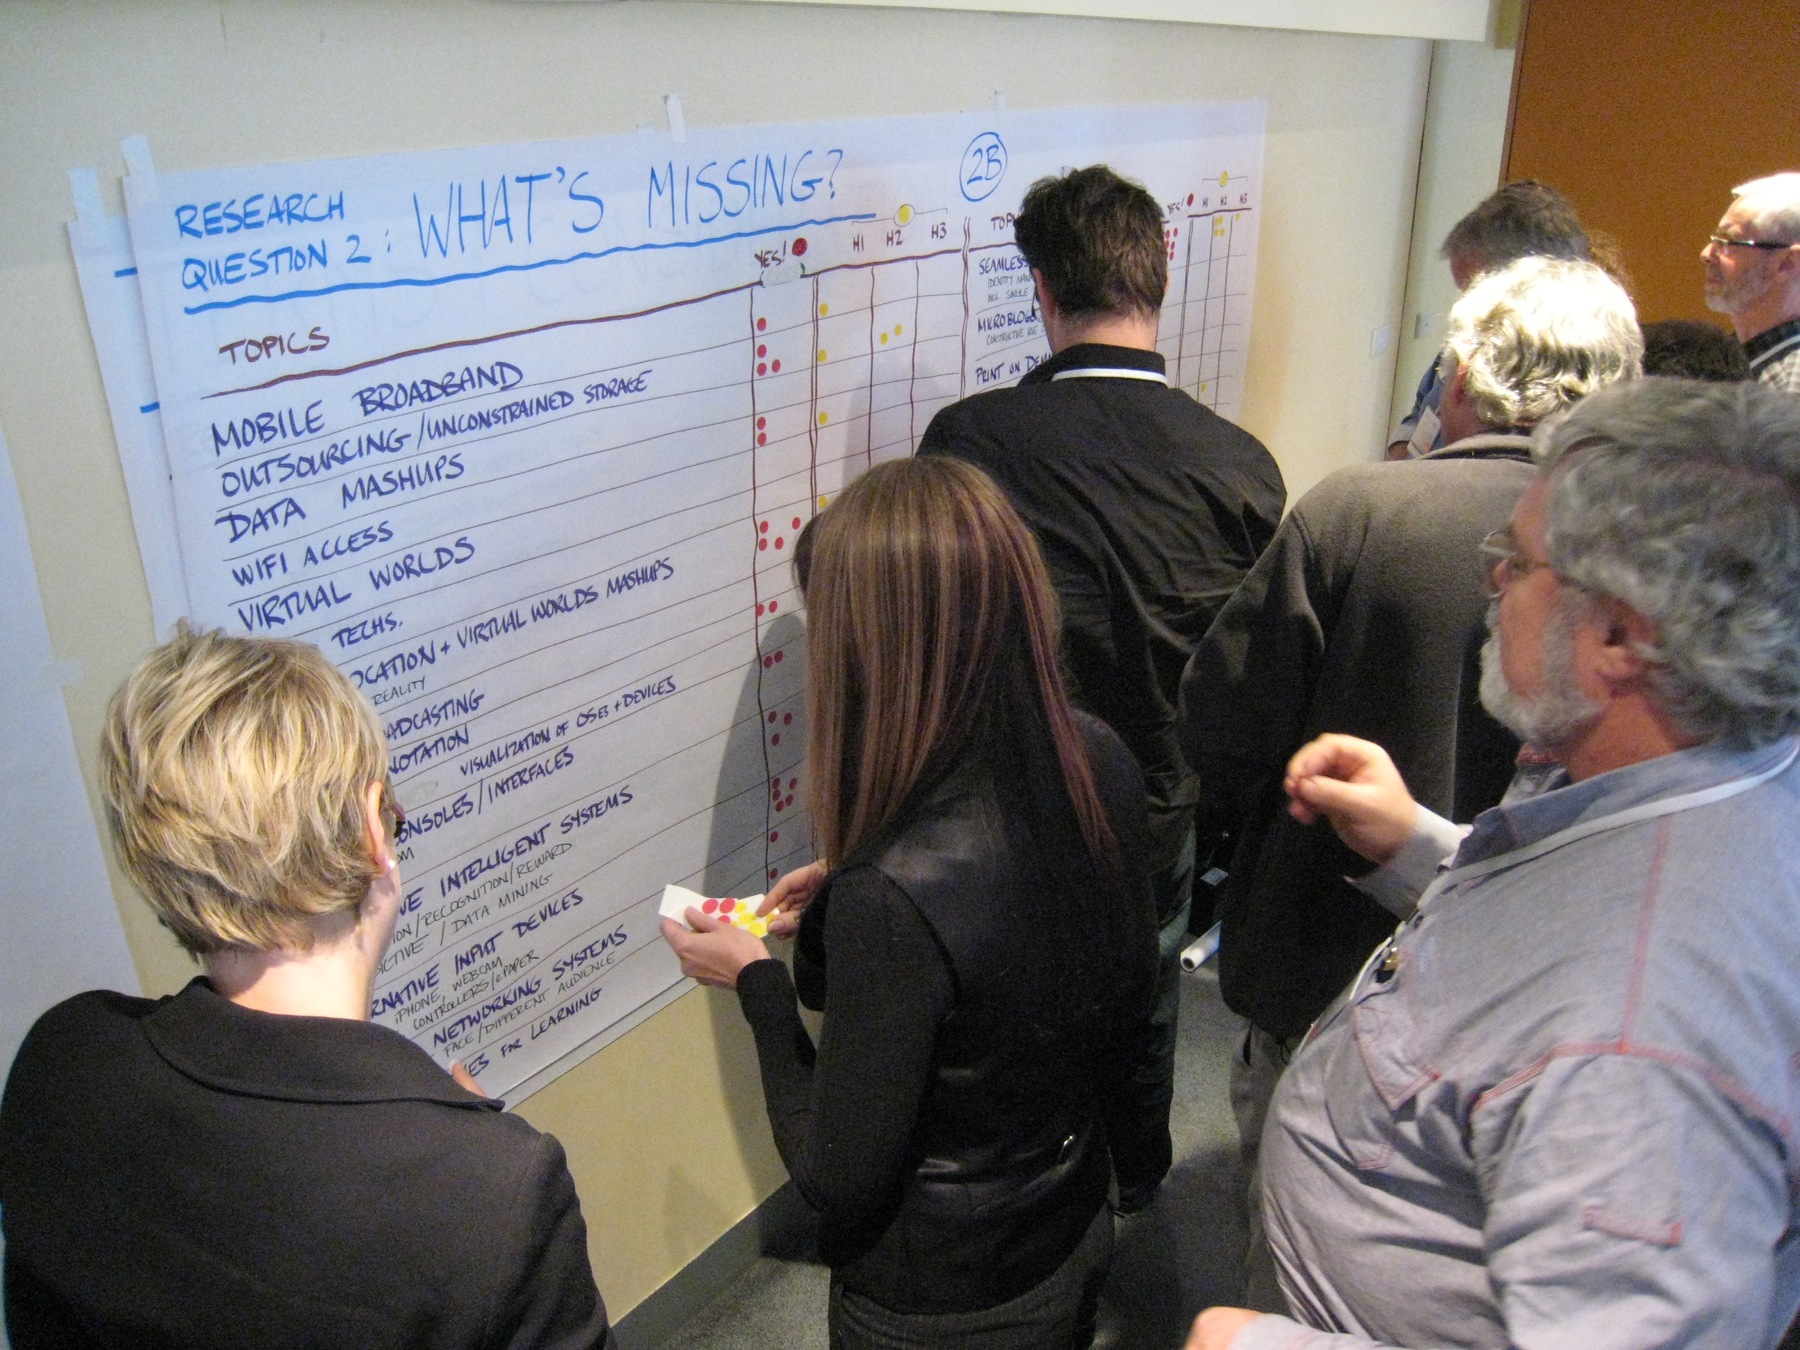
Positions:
{"x": 1365, "y": 616}
{"x": 1558, "y": 1108}
{"x": 1527, "y": 219}
{"x": 1753, "y": 274}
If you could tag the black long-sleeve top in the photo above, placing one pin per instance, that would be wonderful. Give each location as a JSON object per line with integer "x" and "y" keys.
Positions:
{"x": 899, "y": 1105}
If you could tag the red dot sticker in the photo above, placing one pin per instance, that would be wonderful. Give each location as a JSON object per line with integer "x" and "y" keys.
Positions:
{"x": 762, "y": 527}
{"x": 772, "y": 873}
{"x": 759, "y": 610}
{"x": 775, "y": 365}
{"x": 777, "y": 541}
{"x": 778, "y": 654}
{"x": 727, "y": 905}
{"x": 1190, "y": 199}
{"x": 762, "y": 369}
{"x": 761, "y": 422}
{"x": 774, "y": 605}
{"x": 781, "y": 806}
{"x": 710, "y": 907}
{"x": 800, "y": 248}
{"x": 762, "y": 543}
{"x": 775, "y": 739}
{"x": 789, "y": 801}
{"x": 787, "y": 719}
{"x": 774, "y": 836}
{"x": 796, "y": 522}
{"x": 762, "y": 438}
{"x": 768, "y": 661}
{"x": 773, "y": 716}
{"x": 793, "y": 782}
{"x": 761, "y": 324}
{"x": 762, "y": 349}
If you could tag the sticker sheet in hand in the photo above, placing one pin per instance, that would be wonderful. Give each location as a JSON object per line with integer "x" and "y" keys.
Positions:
{"x": 739, "y": 911}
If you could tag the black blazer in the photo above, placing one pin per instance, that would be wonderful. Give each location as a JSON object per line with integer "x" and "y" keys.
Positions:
{"x": 987, "y": 1000}
{"x": 184, "y": 1171}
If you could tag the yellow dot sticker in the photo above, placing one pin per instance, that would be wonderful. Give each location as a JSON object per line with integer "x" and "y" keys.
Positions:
{"x": 822, "y": 501}
{"x": 898, "y": 330}
{"x": 824, "y": 418}
{"x": 821, "y": 356}
{"x": 884, "y": 337}
{"x": 1224, "y": 177}
{"x": 824, "y": 310}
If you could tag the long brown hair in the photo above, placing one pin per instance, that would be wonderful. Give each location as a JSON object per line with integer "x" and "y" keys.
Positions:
{"x": 928, "y": 607}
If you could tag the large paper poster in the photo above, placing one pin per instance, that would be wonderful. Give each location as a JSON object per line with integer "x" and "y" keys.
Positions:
{"x": 522, "y": 437}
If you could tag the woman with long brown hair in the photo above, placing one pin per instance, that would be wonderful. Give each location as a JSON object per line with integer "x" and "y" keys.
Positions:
{"x": 979, "y": 931}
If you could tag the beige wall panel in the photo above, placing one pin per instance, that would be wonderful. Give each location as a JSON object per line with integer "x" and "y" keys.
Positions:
{"x": 1459, "y": 164}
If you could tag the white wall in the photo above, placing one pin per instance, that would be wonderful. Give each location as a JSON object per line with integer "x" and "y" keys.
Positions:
{"x": 1459, "y": 164}
{"x": 664, "y": 1128}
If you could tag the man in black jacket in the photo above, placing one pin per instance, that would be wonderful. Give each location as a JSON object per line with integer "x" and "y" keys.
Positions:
{"x": 1365, "y": 616}
{"x": 1149, "y": 507}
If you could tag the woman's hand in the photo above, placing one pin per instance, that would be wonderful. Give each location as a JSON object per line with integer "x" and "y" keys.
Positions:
{"x": 789, "y": 896}
{"x": 714, "y": 952}
{"x": 466, "y": 1080}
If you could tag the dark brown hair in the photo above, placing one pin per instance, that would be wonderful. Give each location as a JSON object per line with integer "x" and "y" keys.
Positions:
{"x": 931, "y": 623}
{"x": 1526, "y": 219}
{"x": 1098, "y": 240}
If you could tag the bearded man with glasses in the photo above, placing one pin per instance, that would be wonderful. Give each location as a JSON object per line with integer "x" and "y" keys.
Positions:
{"x": 1753, "y": 274}
{"x": 1557, "y": 1109}
{"x": 1365, "y": 615}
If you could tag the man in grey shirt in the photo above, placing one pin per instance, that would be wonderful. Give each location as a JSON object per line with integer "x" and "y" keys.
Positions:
{"x": 1559, "y": 1108}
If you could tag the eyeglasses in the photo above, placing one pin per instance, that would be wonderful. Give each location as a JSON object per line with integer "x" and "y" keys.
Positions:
{"x": 1505, "y": 563}
{"x": 1723, "y": 242}
{"x": 391, "y": 805}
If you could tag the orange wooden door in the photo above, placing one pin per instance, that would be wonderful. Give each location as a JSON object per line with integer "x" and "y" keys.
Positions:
{"x": 1646, "y": 113}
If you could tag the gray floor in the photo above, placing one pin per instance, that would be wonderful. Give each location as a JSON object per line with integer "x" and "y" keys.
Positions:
{"x": 1175, "y": 1258}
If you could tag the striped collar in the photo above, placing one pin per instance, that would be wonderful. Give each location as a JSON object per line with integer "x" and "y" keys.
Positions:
{"x": 1099, "y": 360}
{"x": 1110, "y": 373}
{"x": 1772, "y": 342}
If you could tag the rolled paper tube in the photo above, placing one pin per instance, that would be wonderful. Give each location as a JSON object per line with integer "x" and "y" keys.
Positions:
{"x": 1198, "y": 952}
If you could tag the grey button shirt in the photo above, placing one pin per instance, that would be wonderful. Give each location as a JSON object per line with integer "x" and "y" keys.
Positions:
{"x": 1559, "y": 1108}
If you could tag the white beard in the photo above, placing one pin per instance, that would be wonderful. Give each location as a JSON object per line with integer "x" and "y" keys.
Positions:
{"x": 1729, "y": 296}
{"x": 1557, "y": 713}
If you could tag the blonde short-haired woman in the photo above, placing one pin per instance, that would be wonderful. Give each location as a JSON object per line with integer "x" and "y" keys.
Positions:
{"x": 252, "y": 1161}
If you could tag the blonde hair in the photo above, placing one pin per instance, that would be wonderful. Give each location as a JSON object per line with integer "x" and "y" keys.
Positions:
{"x": 1535, "y": 336}
{"x": 233, "y": 771}
{"x": 930, "y": 621}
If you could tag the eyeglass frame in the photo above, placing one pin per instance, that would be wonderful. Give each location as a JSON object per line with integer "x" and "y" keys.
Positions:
{"x": 1502, "y": 547}
{"x": 391, "y": 805}
{"x": 1748, "y": 243}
